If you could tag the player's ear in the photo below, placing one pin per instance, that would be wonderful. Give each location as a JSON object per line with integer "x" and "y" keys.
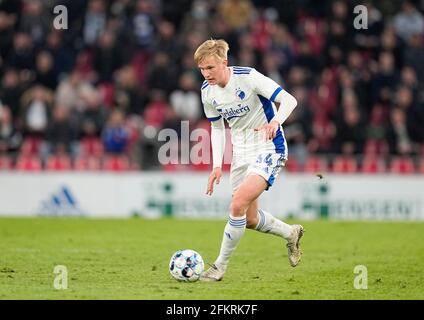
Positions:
{"x": 225, "y": 62}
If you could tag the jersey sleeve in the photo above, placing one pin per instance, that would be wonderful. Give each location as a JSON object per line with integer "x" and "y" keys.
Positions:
{"x": 264, "y": 86}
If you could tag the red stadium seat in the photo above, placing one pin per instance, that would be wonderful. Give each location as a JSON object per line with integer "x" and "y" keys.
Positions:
{"x": 92, "y": 146}
{"x": 170, "y": 167}
{"x": 375, "y": 147}
{"x": 30, "y": 146}
{"x": 6, "y": 163}
{"x": 200, "y": 167}
{"x": 116, "y": 163}
{"x": 372, "y": 164}
{"x": 316, "y": 164}
{"x": 58, "y": 163}
{"x": 343, "y": 164}
{"x": 421, "y": 166}
{"x": 176, "y": 167}
{"x": 91, "y": 163}
{"x": 292, "y": 165}
{"x": 402, "y": 165}
{"x": 28, "y": 163}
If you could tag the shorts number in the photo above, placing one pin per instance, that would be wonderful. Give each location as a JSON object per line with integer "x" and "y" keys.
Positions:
{"x": 268, "y": 160}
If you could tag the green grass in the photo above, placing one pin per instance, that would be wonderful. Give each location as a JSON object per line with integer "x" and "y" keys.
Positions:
{"x": 128, "y": 259}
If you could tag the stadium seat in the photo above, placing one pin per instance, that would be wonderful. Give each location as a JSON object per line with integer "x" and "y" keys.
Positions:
{"x": 116, "y": 163}
{"x": 421, "y": 166}
{"x": 58, "y": 163}
{"x": 316, "y": 164}
{"x": 30, "y": 146}
{"x": 343, "y": 164}
{"x": 292, "y": 165}
{"x": 6, "y": 163}
{"x": 91, "y": 163}
{"x": 373, "y": 164}
{"x": 170, "y": 167}
{"x": 375, "y": 147}
{"x": 92, "y": 146}
{"x": 134, "y": 166}
{"x": 28, "y": 163}
{"x": 200, "y": 167}
{"x": 402, "y": 165}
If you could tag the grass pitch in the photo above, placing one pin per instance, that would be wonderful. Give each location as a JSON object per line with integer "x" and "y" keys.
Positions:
{"x": 128, "y": 259}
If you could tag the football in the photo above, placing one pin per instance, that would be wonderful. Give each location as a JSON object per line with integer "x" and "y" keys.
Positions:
{"x": 186, "y": 265}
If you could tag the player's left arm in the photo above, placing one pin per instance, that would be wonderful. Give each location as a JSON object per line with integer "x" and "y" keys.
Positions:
{"x": 284, "y": 102}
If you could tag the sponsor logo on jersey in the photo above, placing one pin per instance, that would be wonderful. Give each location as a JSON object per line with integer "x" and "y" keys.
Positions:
{"x": 236, "y": 112}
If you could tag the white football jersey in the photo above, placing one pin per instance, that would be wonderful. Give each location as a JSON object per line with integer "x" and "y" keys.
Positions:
{"x": 246, "y": 102}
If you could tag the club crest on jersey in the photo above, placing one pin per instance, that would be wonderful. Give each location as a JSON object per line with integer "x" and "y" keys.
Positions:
{"x": 214, "y": 103}
{"x": 240, "y": 94}
{"x": 236, "y": 112}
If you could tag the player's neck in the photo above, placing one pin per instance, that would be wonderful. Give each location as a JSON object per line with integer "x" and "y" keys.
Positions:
{"x": 226, "y": 78}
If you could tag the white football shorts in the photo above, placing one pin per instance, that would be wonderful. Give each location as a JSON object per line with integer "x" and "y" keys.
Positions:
{"x": 267, "y": 165}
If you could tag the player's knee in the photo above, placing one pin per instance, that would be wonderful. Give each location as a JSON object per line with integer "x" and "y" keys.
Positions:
{"x": 238, "y": 206}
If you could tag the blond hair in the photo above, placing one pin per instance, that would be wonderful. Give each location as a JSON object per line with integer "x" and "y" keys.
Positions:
{"x": 217, "y": 48}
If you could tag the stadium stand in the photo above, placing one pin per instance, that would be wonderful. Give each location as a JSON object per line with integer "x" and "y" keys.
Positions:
{"x": 360, "y": 92}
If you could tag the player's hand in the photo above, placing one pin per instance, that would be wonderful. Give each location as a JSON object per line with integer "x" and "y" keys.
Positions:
{"x": 214, "y": 177}
{"x": 269, "y": 130}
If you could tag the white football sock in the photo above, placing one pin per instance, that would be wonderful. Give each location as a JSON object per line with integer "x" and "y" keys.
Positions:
{"x": 233, "y": 232}
{"x": 269, "y": 224}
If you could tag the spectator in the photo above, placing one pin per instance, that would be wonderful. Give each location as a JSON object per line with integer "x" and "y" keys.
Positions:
{"x": 143, "y": 24}
{"x": 11, "y": 90}
{"x": 128, "y": 95}
{"x": 70, "y": 90}
{"x": 386, "y": 79}
{"x": 414, "y": 114}
{"x": 7, "y": 23}
{"x": 107, "y": 57}
{"x": 10, "y": 137}
{"x": 63, "y": 59}
{"x": 167, "y": 41}
{"x": 92, "y": 110}
{"x": 160, "y": 70}
{"x": 414, "y": 57}
{"x": 61, "y": 134}
{"x": 409, "y": 21}
{"x": 397, "y": 133}
{"x": 185, "y": 100}
{"x": 45, "y": 71}
{"x": 36, "y": 108}
{"x": 350, "y": 133}
{"x": 35, "y": 21}
{"x": 94, "y": 21}
{"x": 22, "y": 55}
{"x": 237, "y": 14}
{"x": 115, "y": 136}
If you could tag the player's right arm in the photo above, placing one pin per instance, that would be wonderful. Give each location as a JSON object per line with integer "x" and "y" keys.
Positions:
{"x": 218, "y": 147}
{"x": 217, "y": 142}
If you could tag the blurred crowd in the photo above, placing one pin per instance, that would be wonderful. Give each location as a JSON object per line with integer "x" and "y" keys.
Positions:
{"x": 123, "y": 70}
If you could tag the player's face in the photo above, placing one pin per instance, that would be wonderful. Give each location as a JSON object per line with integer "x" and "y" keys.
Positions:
{"x": 214, "y": 70}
